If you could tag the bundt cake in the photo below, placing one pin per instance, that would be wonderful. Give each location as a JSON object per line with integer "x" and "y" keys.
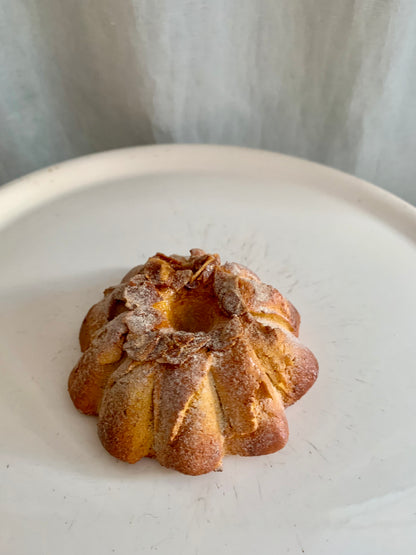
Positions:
{"x": 188, "y": 359}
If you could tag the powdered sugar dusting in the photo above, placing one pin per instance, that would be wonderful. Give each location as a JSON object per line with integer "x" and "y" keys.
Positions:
{"x": 202, "y": 379}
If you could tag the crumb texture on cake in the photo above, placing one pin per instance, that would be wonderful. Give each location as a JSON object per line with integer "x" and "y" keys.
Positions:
{"x": 188, "y": 359}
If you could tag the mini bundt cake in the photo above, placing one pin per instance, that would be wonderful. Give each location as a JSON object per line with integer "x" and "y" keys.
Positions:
{"x": 188, "y": 359}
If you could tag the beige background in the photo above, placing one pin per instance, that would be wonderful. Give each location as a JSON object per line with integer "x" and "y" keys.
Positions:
{"x": 329, "y": 80}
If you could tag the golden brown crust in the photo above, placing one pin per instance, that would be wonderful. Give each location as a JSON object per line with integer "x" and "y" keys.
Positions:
{"x": 237, "y": 378}
{"x": 239, "y": 293}
{"x": 95, "y": 319}
{"x": 187, "y": 359}
{"x": 88, "y": 379}
{"x": 176, "y": 389}
{"x": 100, "y": 314}
{"x": 271, "y": 433}
{"x": 253, "y": 412}
{"x": 291, "y": 367}
{"x": 197, "y": 446}
{"x": 125, "y": 425}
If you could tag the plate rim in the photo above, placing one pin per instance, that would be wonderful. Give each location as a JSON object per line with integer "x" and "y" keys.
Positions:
{"x": 30, "y": 191}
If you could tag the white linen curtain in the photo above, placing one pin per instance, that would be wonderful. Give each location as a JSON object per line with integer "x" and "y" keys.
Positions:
{"x": 330, "y": 80}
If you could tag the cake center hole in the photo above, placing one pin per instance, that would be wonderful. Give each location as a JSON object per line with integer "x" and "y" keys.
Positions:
{"x": 194, "y": 311}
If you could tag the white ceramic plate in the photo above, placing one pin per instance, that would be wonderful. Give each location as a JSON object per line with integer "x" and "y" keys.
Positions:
{"x": 342, "y": 250}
